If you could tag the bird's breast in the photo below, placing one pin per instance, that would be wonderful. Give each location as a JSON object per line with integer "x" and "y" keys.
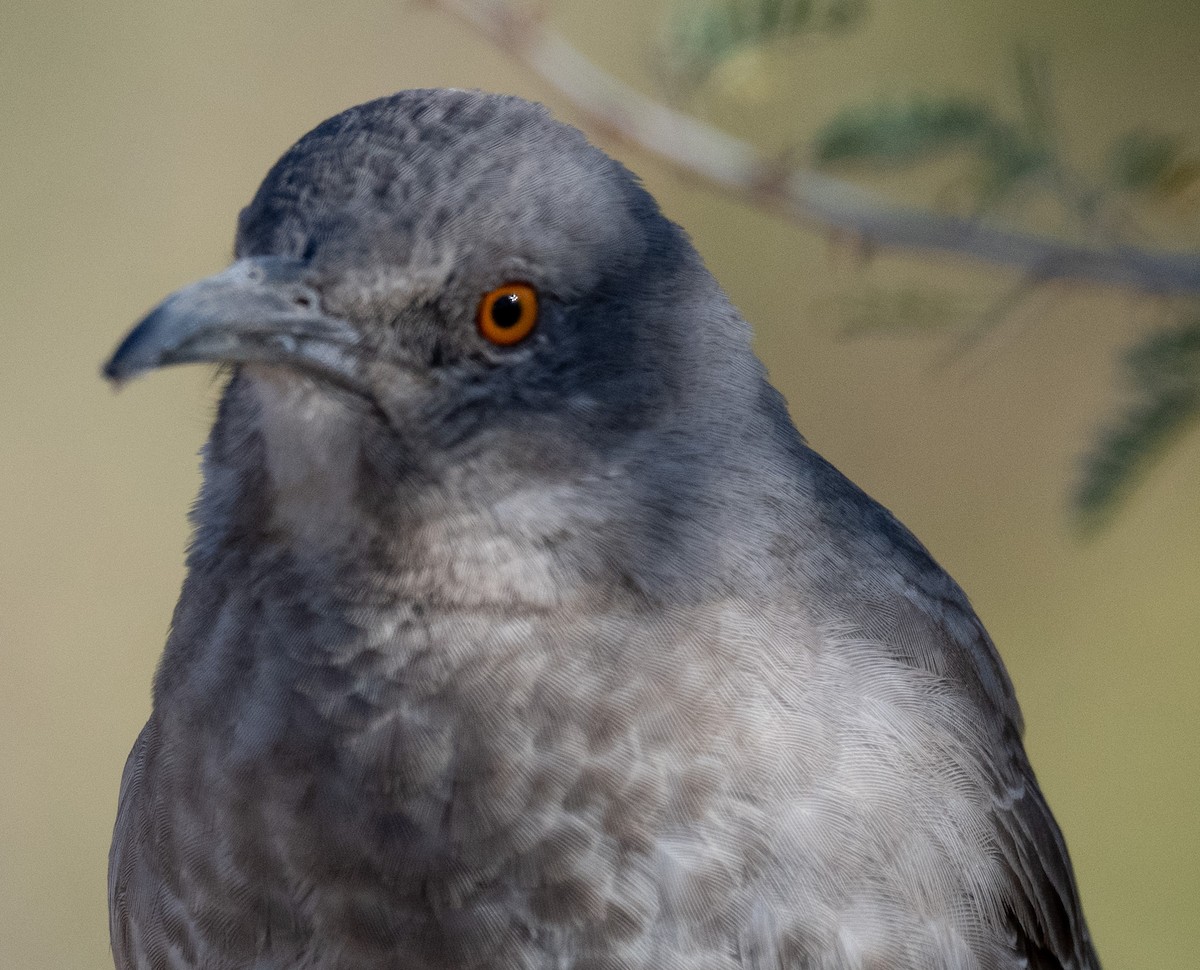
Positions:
{"x": 461, "y": 783}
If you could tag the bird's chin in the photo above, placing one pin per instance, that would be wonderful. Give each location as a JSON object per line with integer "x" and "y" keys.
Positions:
{"x": 305, "y": 388}
{"x": 304, "y": 381}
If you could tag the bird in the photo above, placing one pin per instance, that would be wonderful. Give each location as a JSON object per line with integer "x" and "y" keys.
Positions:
{"x": 521, "y": 627}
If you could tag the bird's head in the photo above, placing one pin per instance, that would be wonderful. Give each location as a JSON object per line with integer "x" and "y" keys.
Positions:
{"x": 448, "y": 279}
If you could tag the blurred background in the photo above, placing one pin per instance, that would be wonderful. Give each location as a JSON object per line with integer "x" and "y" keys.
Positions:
{"x": 135, "y": 130}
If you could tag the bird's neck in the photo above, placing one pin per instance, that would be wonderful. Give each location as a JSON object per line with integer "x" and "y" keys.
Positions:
{"x": 528, "y": 522}
{"x": 290, "y": 490}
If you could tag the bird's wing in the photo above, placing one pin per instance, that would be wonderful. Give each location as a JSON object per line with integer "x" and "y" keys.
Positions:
{"x": 941, "y": 633}
{"x": 123, "y": 854}
{"x": 1040, "y": 897}
{"x": 910, "y": 603}
{"x": 1045, "y": 917}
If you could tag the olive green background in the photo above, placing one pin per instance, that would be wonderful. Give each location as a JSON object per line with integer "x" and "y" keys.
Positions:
{"x": 134, "y": 131}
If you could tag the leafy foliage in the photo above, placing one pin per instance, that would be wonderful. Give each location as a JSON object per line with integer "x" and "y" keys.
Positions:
{"x": 1164, "y": 369}
{"x": 1154, "y": 163}
{"x": 901, "y": 133}
{"x": 1141, "y": 159}
{"x": 1164, "y": 372}
{"x": 702, "y": 36}
{"x": 905, "y": 310}
{"x": 896, "y": 134}
{"x": 1012, "y": 155}
{"x": 1008, "y": 153}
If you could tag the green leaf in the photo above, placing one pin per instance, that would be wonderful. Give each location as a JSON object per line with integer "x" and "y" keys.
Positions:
{"x": 701, "y": 36}
{"x": 893, "y": 134}
{"x": 1142, "y": 160}
{"x": 1009, "y": 159}
{"x": 1168, "y": 358}
{"x": 904, "y": 310}
{"x": 1164, "y": 370}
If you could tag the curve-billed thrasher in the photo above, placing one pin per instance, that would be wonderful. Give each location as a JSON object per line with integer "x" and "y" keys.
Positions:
{"x": 521, "y": 627}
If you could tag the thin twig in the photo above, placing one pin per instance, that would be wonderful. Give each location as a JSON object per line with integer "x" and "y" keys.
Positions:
{"x": 818, "y": 201}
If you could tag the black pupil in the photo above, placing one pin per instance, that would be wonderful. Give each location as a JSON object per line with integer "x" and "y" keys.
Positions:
{"x": 506, "y": 311}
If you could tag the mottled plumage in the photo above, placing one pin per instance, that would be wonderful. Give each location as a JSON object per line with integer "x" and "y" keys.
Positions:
{"x": 569, "y": 654}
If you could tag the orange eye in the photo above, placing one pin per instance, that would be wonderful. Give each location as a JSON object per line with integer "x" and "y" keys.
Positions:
{"x": 508, "y": 314}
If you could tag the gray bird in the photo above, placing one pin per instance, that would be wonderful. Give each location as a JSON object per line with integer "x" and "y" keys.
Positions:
{"x": 521, "y": 627}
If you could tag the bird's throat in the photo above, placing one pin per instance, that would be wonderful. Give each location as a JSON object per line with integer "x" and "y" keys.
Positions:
{"x": 311, "y": 450}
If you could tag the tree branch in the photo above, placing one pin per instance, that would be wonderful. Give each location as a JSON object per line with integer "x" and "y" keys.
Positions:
{"x": 818, "y": 201}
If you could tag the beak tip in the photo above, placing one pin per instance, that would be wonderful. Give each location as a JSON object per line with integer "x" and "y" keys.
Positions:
{"x": 114, "y": 375}
{"x": 126, "y": 362}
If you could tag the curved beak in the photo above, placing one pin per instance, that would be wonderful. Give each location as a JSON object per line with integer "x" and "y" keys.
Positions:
{"x": 260, "y": 309}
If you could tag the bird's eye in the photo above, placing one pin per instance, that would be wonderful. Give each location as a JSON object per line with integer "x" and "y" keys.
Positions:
{"x": 508, "y": 314}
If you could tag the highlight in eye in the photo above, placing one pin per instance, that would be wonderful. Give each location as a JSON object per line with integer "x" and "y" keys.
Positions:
{"x": 508, "y": 314}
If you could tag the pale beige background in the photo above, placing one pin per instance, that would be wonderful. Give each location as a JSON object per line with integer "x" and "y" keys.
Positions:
{"x": 133, "y": 132}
